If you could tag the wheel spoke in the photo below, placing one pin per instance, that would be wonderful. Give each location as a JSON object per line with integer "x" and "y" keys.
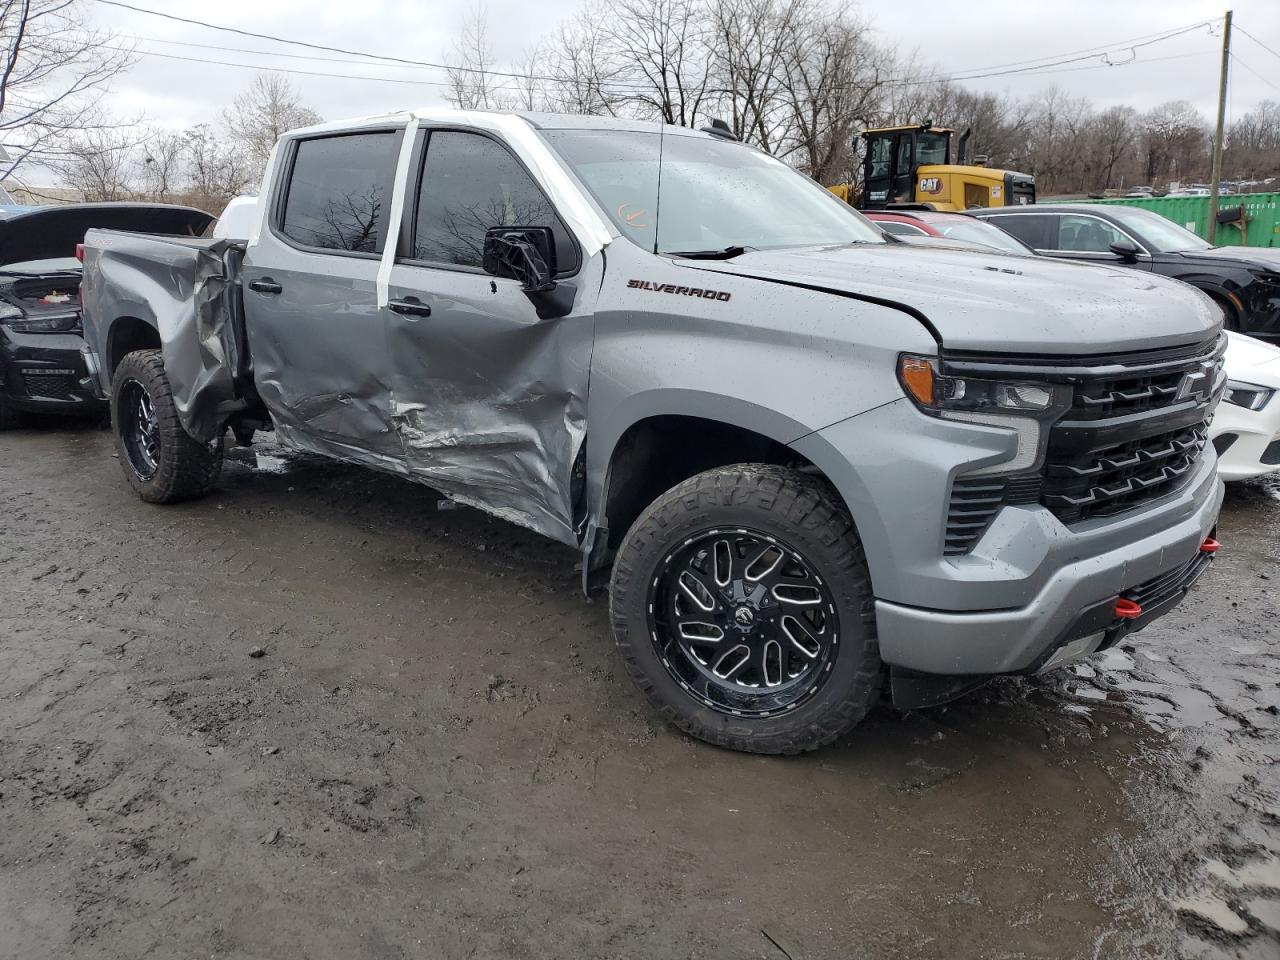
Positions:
{"x": 763, "y": 563}
{"x": 799, "y": 594}
{"x": 732, "y": 662}
{"x": 722, "y": 563}
{"x": 800, "y": 637}
{"x": 698, "y": 632}
{"x": 771, "y": 660}
{"x": 696, "y": 590}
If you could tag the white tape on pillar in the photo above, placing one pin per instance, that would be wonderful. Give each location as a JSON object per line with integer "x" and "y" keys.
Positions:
{"x": 398, "y": 188}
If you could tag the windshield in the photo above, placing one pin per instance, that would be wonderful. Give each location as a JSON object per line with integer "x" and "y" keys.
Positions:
{"x": 716, "y": 194}
{"x": 976, "y": 231}
{"x": 1159, "y": 234}
{"x": 932, "y": 148}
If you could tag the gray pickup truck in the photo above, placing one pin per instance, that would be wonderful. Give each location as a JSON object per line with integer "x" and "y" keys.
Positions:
{"x": 822, "y": 464}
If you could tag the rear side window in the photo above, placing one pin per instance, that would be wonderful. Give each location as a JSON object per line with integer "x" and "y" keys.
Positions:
{"x": 339, "y": 194}
{"x": 471, "y": 184}
{"x": 1035, "y": 230}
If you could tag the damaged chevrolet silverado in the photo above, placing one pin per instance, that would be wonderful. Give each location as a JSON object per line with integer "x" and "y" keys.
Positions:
{"x": 821, "y": 463}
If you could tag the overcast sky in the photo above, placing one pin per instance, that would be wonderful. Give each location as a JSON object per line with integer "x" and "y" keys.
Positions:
{"x": 960, "y": 36}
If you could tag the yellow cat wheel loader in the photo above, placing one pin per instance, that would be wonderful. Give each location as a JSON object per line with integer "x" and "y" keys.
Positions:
{"x": 908, "y": 165}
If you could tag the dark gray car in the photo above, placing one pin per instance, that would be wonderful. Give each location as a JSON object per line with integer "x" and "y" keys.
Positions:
{"x": 816, "y": 461}
{"x": 1243, "y": 281}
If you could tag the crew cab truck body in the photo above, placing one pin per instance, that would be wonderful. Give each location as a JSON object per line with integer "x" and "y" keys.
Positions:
{"x": 815, "y": 457}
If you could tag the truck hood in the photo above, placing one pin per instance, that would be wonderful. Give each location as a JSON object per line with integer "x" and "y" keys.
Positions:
{"x": 996, "y": 303}
{"x": 47, "y": 233}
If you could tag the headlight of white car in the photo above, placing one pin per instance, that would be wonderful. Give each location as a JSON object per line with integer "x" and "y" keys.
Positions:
{"x": 1247, "y": 395}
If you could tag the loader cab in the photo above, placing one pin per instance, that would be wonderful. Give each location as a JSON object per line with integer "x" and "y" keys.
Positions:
{"x": 891, "y": 158}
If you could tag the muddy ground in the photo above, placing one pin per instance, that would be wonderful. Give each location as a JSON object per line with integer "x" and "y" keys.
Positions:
{"x": 437, "y": 754}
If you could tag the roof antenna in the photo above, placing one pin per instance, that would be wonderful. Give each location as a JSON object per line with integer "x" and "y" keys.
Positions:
{"x": 657, "y": 200}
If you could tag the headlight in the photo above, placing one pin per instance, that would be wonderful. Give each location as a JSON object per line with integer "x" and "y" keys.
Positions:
{"x": 63, "y": 324}
{"x": 1247, "y": 395}
{"x": 935, "y": 393}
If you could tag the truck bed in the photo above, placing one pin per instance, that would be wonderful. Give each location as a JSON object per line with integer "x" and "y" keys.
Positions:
{"x": 186, "y": 291}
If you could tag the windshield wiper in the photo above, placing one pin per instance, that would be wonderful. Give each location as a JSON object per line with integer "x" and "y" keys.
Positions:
{"x": 728, "y": 253}
{"x": 41, "y": 273}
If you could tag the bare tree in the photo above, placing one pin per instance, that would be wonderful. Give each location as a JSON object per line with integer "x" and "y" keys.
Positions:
{"x": 1112, "y": 138}
{"x": 471, "y": 84}
{"x": 1175, "y": 139}
{"x": 100, "y": 164}
{"x": 256, "y": 119}
{"x": 164, "y": 165}
{"x": 52, "y": 69}
{"x": 749, "y": 44}
{"x": 661, "y": 48}
{"x": 582, "y": 73}
{"x": 834, "y": 77}
{"x": 216, "y": 170}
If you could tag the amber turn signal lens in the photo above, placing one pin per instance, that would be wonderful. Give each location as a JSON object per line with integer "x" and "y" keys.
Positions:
{"x": 916, "y": 374}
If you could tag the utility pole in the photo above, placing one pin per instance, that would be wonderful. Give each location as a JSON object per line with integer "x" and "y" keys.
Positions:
{"x": 1216, "y": 177}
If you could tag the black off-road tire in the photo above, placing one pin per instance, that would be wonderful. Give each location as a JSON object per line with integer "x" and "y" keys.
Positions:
{"x": 10, "y": 419}
{"x": 185, "y": 468}
{"x": 801, "y": 510}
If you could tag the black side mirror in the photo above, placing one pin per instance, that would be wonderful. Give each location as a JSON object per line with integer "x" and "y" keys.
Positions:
{"x": 527, "y": 254}
{"x": 1126, "y": 250}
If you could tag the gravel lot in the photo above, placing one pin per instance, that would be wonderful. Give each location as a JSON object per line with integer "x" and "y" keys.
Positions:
{"x": 436, "y": 754}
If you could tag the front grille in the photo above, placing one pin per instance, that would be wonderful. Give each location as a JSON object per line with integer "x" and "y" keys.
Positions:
{"x": 1104, "y": 482}
{"x": 49, "y": 386}
{"x": 1135, "y": 428}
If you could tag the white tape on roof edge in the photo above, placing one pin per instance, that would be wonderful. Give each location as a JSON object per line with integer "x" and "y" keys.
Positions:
{"x": 392, "y": 241}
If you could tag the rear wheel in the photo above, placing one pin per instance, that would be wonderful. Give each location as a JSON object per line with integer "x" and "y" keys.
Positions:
{"x": 161, "y": 461}
{"x": 742, "y": 607}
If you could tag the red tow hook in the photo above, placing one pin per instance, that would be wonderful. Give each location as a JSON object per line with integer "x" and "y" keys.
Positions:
{"x": 1210, "y": 545}
{"x": 1127, "y": 609}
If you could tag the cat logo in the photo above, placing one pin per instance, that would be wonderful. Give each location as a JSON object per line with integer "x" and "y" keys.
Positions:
{"x": 930, "y": 184}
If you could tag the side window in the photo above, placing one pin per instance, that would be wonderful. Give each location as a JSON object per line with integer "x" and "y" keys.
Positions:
{"x": 1088, "y": 234}
{"x": 902, "y": 229}
{"x": 471, "y": 184}
{"x": 1032, "y": 229}
{"x": 339, "y": 193}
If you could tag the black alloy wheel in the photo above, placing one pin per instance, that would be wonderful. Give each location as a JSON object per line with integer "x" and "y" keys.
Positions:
{"x": 743, "y": 622}
{"x": 139, "y": 429}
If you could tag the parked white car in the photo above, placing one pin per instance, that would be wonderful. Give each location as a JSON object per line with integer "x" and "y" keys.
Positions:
{"x": 1246, "y": 428}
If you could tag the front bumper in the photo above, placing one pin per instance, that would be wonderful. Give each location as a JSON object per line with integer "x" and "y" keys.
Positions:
{"x": 46, "y": 373}
{"x": 1247, "y": 441}
{"x": 1009, "y": 603}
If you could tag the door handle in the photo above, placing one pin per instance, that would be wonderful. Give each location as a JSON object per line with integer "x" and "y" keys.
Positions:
{"x": 266, "y": 285}
{"x": 410, "y": 307}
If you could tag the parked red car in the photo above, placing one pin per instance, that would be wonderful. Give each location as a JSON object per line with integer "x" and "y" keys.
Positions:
{"x": 953, "y": 226}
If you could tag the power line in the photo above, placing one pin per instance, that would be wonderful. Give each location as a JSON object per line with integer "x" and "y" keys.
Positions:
{"x": 1017, "y": 67}
{"x": 1236, "y": 58}
{"x": 1258, "y": 42}
{"x": 317, "y": 46}
{"x": 1089, "y": 52}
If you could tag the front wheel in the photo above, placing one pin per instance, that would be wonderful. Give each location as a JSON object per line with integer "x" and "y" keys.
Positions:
{"x": 161, "y": 461}
{"x": 742, "y": 607}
